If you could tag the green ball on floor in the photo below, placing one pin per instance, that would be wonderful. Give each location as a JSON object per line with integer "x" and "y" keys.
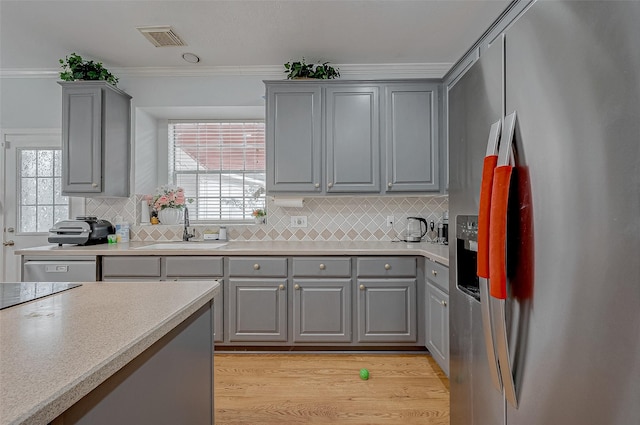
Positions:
{"x": 364, "y": 374}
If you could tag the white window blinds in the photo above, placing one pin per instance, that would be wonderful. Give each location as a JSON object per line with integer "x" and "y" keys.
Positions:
{"x": 221, "y": 166}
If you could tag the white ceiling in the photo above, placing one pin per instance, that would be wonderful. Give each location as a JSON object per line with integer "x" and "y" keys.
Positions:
{"x": 235, "y": 33}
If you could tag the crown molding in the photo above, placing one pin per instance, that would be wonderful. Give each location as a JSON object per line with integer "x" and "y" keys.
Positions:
{"x": 396, "y": 70}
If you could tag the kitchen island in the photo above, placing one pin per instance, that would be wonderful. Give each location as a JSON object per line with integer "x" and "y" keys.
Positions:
{"x": 117, "y": 352}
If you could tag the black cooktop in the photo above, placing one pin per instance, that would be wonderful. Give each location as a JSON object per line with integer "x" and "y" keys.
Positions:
{"x": 17, "y": 293}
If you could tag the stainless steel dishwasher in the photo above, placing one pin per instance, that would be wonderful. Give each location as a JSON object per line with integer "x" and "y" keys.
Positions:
{"x": 69, "y": 269}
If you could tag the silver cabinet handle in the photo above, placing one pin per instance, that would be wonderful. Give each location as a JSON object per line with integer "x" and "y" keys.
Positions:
{"x": 296, "y": 286}
{"x": 322, "y": 267}
{"x": 387, "y": 266}
{"x": 434, "y": 272}
{"x": 362, "y": 287}
{"x": 8, "y": 243}
{"x": 444, "y": 303}
{"x": 329, "y": 184}
{"x": 317, "y": 185}
{"x": 256, "y": 266}
{"x": 281, "y": 287}
{"x": 94, "y": 184}
{"x": 389, "y": 184}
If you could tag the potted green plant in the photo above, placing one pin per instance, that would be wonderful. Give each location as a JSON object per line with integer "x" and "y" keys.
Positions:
{"x": 75, "y": 68}
{"x": 259, "y": 216}
{"x": 301, "y": 69}
{"x": 325, "y": 72}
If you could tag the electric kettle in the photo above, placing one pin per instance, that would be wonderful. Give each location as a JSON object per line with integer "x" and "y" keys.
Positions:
{"x": 414, "y": 231}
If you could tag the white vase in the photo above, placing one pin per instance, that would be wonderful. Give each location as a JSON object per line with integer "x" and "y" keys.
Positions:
{"x": 170, "y": 216}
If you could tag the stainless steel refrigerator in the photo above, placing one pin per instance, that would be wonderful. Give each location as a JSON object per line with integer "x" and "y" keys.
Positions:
{"x": 544, "y": 146}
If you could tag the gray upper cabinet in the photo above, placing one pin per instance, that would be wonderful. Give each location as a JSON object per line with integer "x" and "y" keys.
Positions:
{"x": 95, "y": 139}
{"x": 359, "y": 137}
{"x": 410, "y": 125}
{"x": 352, "y": 139}
{"x": 293, "y": 138}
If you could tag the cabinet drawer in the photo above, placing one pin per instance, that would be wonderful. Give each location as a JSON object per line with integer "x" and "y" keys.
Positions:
{"x": 138, "y": 266}
{"x": 258, "y": 266}
{"x": 386, "y": 267}
{"x": 193, "y": 266}
{"x": 438, "y": 275}
{"x": 322, "y": 266}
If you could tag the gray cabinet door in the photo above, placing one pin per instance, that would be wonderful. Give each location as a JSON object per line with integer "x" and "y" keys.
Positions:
{"x": 81, "y": 140}
{"x": 322, "y": 310}
{"x": 257, "y": 310}
{"x": 96, "y": 145}
{"x": 438, "y": 326}
{"x": 352, "y": 133}
{"x": 293, "y": 145}
{"x": 135, "y": 267}
{"x": 193, "y": 267}
{"x": 387, "y": 310}
{"x": 411, "y": 135}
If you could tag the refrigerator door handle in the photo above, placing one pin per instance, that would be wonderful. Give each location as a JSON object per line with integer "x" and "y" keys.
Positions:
{"x": 497, "y": 256}
{"x": 489, "y": 332}
{"x": 490, "y": 162}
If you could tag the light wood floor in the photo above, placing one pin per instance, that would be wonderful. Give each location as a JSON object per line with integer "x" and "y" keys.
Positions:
{"x": 294, "y": 388}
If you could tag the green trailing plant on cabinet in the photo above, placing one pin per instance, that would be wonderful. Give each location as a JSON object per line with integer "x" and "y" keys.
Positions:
{"x": 75, "y": 68}
{"x": 301, "y": 69}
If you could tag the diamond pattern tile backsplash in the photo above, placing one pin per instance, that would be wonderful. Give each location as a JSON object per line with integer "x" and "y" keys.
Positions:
{"x": 328, "y": 219}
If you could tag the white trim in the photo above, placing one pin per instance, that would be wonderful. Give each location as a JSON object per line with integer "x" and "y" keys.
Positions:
{"x": 391, "y": 70}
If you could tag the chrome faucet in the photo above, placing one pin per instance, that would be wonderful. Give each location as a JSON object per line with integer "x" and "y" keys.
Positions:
{"x": 186, "y": 235}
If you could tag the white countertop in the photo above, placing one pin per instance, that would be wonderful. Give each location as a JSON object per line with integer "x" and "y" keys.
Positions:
{"x": 57, "y": 349}
{"x": 438, "y": 253}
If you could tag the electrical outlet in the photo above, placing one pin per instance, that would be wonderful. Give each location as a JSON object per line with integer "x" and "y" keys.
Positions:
{"x": 390, "y": 221}
{"x": 299, "y": 221}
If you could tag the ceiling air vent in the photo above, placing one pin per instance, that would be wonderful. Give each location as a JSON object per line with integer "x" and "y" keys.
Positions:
{"x": 161, "y": 36}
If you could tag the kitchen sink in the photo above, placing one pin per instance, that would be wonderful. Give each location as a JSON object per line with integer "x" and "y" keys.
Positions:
{"x": 184, "y": 245}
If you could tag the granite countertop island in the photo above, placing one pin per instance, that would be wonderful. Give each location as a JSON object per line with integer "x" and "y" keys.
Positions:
{"x": 438, "y": 253}
{"x": 56, "y": 350}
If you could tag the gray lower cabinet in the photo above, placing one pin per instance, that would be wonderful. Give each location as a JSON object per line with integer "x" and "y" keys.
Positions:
{"x": 322, "y": 288}
{"x": 95, "y": 139}
{"x": 257, "y": 299}
{"x": 302, "y": 300}
{"x": 134, "y": 267}
{"x": 155, "y": 268}
{"x": 437, "y": 313}
{"x": 387, "y": 310}
{"x": 257, "y": 310}
{"x": 386, "y": 303}
{"x": 322, "y": 310}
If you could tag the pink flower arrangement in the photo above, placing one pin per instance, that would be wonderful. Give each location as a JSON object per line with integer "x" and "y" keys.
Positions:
{"x": 168, "y": 196}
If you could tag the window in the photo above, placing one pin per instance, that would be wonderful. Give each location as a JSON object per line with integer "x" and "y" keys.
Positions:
{"x": 41, "y": 203}
{"x": 220, "y": 165}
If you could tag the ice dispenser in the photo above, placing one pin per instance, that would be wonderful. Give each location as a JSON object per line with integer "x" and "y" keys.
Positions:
{"x": 467, "y": 254}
